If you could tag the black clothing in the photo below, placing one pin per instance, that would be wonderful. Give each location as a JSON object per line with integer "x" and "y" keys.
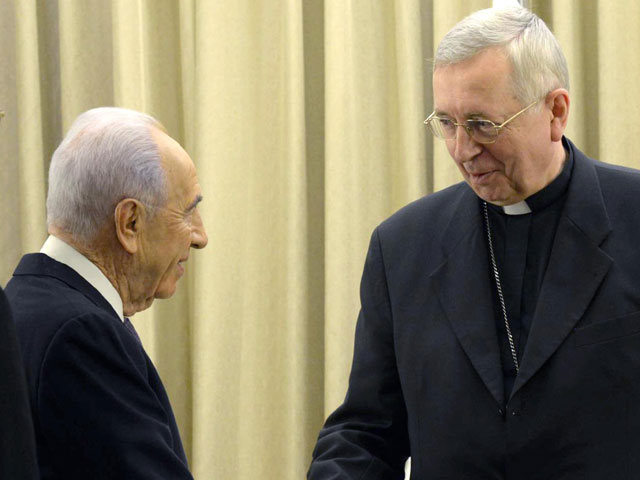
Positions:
{"x": 522, "y": 245}
{"x": 17, "y": 443}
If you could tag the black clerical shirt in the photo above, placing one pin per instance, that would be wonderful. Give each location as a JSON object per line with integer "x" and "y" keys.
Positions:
{"x": 522, "y": 246}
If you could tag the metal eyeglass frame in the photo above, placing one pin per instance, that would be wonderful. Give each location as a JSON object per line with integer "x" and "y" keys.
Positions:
{"x": 467, "y": 128}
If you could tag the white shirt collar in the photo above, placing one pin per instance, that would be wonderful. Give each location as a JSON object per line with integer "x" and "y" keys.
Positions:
{"x": 65, "y": 253}
{"x": 520, "y": 208}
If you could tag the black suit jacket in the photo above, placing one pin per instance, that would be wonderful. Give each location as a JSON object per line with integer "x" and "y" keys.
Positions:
{"x": 17, "y": 442}
{"x": 99, "y": 408}
{"x": 426, "y": 379}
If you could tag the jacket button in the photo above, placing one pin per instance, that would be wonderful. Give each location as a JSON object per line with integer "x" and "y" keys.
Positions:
{"x": 514, "y": 413}
{"x": 500, "y": 412}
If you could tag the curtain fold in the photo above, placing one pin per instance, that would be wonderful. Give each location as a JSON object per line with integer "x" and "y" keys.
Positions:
{"x": 85, "y": 56}
{"x": 304, "y": 121}
{"x": 618, "y": 67}
{"x": 251, "y": 146}
{"x": 10, "y": 238}
{"x": 31, "y": 172}
{"x": 375, "y": 156}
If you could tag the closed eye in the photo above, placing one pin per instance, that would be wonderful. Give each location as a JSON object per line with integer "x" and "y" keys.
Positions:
{"x": 192, "y": 206}
{"x": 481, "y": 125}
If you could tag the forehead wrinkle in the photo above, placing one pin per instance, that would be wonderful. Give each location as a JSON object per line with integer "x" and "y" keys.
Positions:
{"x": 478, "y": 86}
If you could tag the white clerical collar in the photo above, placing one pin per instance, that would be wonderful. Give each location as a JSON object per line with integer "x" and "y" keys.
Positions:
{"x": 65, "y": 253}
{"x": 520, "y": 208}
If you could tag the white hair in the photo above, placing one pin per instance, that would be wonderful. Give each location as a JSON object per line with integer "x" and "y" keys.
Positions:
{"x": 108, "y": 154}
{"x": 538, "y": 64}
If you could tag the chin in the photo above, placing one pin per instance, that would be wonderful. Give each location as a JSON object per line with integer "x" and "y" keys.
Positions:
{"x": 495, "y": 197}
{"x": 166, "y": 292}
{"x": 495, "y": 200}
{"x": 139, "y": 307}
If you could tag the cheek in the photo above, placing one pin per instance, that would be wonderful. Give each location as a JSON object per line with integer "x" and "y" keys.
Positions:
{"x": 450, "y": 144}
{"x": 505, "y": 157}
{"x": 180, "y": 235}
{"x": 462, "y": 171}
{"x": 185, "y": 239}
{"x": 451, "y": 148}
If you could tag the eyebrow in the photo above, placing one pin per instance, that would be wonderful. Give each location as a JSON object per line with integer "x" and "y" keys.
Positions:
{"x": 469, "y": 115}
{"x": 195, "y": 203}
{"x": 481, "y": 115}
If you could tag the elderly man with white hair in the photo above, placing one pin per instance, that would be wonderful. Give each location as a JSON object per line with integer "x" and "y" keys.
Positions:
{"x": 122, "y": 217}
{"x": 499, "y": 335}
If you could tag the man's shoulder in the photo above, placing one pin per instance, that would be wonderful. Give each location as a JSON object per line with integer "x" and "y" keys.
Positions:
{"x": 47, "y": 303}
{"x": 619, "y": 185}
{"x": 44, "y": 305}
{"x": 607, "y": 171}
{"x": 38, "y": 291}
{"x": 432, "y": 212}
{"x": 617, "y": 174}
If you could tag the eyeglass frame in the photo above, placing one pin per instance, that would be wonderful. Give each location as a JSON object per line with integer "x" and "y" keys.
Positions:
{"x": 467, "y": 128}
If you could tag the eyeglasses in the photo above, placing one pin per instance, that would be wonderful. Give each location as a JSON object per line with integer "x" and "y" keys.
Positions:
{"x": 479, "y": 129}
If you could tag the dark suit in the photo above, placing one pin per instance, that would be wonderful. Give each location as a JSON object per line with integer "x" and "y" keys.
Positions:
{"x": 17, "y": 443}
{"x": 426, "y": 379}
{"x": 99, "y": 408}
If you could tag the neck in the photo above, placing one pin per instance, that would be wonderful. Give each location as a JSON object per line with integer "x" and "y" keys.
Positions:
{"x": 559, "y": 156}
{"x": 100, "y": 252}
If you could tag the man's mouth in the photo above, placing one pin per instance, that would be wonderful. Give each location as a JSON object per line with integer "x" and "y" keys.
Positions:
{"x": 481, "y": 177}
{"x": 181, "y": 266}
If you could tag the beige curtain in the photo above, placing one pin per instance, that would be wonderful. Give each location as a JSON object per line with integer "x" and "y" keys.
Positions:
{"x": 304, "y": 119}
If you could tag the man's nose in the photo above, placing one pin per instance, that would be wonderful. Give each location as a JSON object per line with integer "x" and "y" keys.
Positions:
{"x": 465, "y": 147}
{"x": 199, "y": 238}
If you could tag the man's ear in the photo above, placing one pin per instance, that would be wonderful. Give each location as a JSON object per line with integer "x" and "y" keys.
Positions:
{"x": 558, "y": 102}
{"x": 129, "y": 219}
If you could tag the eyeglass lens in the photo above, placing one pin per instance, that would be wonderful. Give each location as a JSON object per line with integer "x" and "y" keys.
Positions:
{"x": 479, "y": 130}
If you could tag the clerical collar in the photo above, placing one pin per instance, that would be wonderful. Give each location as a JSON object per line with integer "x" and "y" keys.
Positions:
{"x": 545, "y": 197}
{"x": 520, "y": 208}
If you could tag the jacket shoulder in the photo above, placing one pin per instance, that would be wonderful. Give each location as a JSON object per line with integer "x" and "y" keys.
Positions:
{"x": 432, "y": 213}
{"x": 617, "y": 175}
{"x": 48, "y": 302}
{"x": 46, "y": 309}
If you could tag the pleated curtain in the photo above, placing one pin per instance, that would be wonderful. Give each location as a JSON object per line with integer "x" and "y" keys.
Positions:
{"x": 304, "y": 120}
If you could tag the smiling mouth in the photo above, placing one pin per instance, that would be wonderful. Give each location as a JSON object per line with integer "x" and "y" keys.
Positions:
{"x": 181, "y": 266}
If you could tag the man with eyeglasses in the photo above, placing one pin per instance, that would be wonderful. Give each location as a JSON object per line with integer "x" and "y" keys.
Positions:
{"x": 499, "y": 335}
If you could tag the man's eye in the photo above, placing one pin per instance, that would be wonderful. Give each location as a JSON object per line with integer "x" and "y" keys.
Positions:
{"x": 447, "y": 125}
{"x": 483, "y": 126}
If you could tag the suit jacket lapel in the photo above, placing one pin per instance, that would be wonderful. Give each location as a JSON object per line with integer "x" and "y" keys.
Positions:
{"x": 576, "y": 268}
{"x": 462, "y": 283}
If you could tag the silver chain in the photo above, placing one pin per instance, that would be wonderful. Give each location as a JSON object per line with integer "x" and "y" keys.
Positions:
{"x": 499, "y": 288}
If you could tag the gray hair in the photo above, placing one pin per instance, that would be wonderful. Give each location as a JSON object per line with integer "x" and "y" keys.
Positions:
{"x": 538, "y": 63}
{"x": 108, "y": 154}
